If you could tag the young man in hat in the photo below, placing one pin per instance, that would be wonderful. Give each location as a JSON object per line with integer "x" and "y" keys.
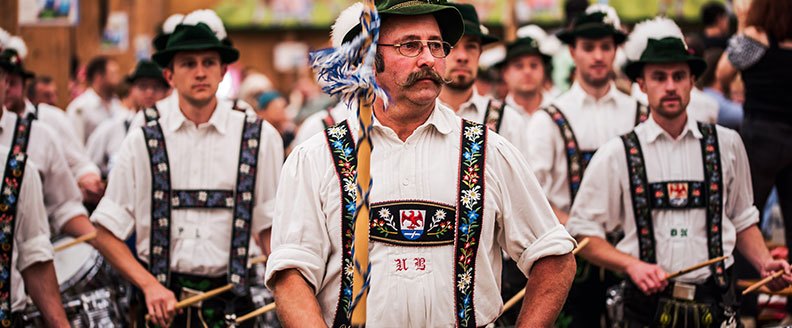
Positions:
{"x": 82, "y": 169}
{"x": 566, "y": 134}
{"x": 195, "y": 203}
{"x": 146, "y": 86}
{"x": 26, "y": 253}
{"x": 436, "y": 235}
{"x": 525, "y": 70}
{"x": 680, "y": 189}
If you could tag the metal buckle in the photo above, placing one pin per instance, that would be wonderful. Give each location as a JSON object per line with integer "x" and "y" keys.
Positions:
{"x": 187, "y": 293}
{"x": 684, "y": 291}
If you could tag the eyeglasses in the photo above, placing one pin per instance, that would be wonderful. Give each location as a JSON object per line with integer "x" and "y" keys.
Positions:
{"x": 438, "y": 49}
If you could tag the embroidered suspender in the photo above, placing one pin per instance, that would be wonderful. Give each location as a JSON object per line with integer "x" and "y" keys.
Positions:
{"x": 493, "y": 117}
{"x": 151, "y": 114}
{"x": 165, "y": 199}
{"x": 678, "y": 195}
{"x": 9, "y": 199}
{"x": 467, "y": 218}
{"x": 641, "y": 113}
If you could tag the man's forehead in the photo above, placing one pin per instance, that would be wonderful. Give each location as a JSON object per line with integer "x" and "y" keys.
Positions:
{"x": 398, "y": 27}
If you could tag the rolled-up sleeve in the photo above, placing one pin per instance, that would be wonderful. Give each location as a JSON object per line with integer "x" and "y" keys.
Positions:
{"x": 270, "y": 162}
{"x": 31, "y": 228}
{"x": 740, "y": 207}
{"x": 62, "y": 197}
{"x": 300, "y": 238}
{"x": 116, "y": 210}
{"x": 530, "y": 230}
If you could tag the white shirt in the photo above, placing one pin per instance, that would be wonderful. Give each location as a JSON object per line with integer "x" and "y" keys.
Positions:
{"x": 701, "y": 107}
{"x": 105, "y": 141}
{"x": 62, "y": 197}
{"x": 512, "y": 124}
{"x": 307, "y": 228}
{"x": 73, "y": 149}
{"x": 88, "y": 110}
{"x": 31, "y": 231}
{"x": 547, "y": 99}
{"x": 593, "y": 122}
{"x": 604, "y": 199}
{"x": 201, "y": 157}
{"x": 314, "y": 123}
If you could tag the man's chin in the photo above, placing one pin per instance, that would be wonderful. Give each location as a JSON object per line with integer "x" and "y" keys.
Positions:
{"x": 460, "y": 85}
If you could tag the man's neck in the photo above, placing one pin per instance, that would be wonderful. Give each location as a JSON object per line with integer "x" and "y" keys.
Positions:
{"x": 129, "y": 104}
{"x": 17, "y": 107}
{"x": 197, "y": 113}
{"x": 673, "y": 126}
{"x": 529, "y": 101}
{"x": 595, "y": 91}
{"x": 454, "y": 98}
{"x": 402, "y": 125}
{"x": 105, "y": 94}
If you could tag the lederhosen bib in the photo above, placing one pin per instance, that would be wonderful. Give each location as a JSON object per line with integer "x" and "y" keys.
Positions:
{"x": 9, "y": 199}
{"x": 678, "y": 195}
{"x": 458, "y": 225}
{"x": 164, "y": 200}
{"x": 493, "y": 117}
{"x": 577, "y": 159}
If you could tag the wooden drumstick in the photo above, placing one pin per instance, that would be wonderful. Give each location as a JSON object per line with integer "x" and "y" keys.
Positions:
{"x": 519, "y": 296}
{"x": 696, "y": 267}
{"x": 762, "y": 282}
{"x": 256, "y": 313}
{"x": 258, "y": 259}
{"x": 81, "y": 239}
{"x": 197, "y": 298}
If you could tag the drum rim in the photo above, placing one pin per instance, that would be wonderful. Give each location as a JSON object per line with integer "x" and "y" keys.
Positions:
{"x": 87, "y": 271}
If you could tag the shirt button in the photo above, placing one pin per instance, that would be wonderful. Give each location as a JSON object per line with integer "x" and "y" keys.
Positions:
{"x": 405, "y": 181}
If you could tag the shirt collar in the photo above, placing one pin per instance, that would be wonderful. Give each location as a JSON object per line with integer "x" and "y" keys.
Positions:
{"x": 7, "y": 120}
{"x": 442, "y": 119}
{"x": 174, "y": 119}
{"x": 654, "y": 130}
{"x": 476, "y": 102}
{"x": 586, "y": 98}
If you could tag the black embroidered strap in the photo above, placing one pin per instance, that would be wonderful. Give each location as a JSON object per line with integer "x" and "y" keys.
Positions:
{"x": 183, "y": 199}
{"x": 32, "y": 116}
{"x": 639, "y": 192}
{"x": 9, "y": 199}
{"x": 412, "y": 223}
{"x": 577, "y": 160}
{"x": 342, "y": 150}
{"x": 672, "y": 195}
{"x": 710, "y": 152}
{"x": 641, "y": 113}
{"x": 21, "y": 138}
{"x": 493, "y": 117}
{"x": 159, "y": 241}
{"x": 151, "y": 114}
{"x": 243, "y": 203}
{"x": 470, "y": 213}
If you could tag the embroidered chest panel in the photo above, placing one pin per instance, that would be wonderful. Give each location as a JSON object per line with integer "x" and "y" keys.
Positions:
{"x": 412, "y": 223}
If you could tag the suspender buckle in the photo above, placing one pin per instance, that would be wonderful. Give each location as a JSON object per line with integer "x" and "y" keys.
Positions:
{"x": 684, "y": 291}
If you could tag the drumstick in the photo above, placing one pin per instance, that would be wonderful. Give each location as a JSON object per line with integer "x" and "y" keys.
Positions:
{"x": 762, "y": 282}
{"x": 197, "y": 298}
{"x": 256, "y": 313}
{"x": 517, "y": 297}
{"x": 696, "y": 267}
{"x": 81, "y": 239}
{"x": 258, "y": 259}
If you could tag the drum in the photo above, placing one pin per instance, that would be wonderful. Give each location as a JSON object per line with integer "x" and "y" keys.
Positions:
{"x": 80, "y": 268}
{"x": 262, "y": 296}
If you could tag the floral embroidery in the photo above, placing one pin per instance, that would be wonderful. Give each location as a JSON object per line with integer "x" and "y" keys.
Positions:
{"x": 575, "y": 164}
{"x": 493, "y": 117}
{"x": 710, "y": 151}
{"x": 640, "y": 199}
{"x": 412, "y": 223}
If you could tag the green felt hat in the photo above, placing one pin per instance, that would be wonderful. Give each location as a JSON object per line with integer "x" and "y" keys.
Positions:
{"x": 194, "y": 37}
{"x": 665, "y": 50}
{"x": 522, "y": 46}
{"x": 146, "y": 69}
{"x": 448, "y": 18}
{"x": 472, "y": 23}
{"x": 593, "y": 25}
{"x": 13, "y": 64}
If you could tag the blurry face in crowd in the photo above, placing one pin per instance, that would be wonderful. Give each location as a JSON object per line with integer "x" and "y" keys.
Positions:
{"x": 524, "y": 74}
{"x": 196, "y": 75}
{"x": 416, "y": 80}
{"x": 45, "y": 93}
{"x": 112, "y": 76}
{"x": 275, "y": 113}
{"x": 14, "y": 98}
{"x": 462, "y": 63}
{"x": 667, "y": 86}
{"x": 148, "y": 91}
{"x": 594, "y": 59}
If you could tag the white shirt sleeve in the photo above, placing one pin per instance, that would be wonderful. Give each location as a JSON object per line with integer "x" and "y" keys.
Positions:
{"x": 31, "y": 234}
{"x": 75, "y": 114}
{"x": 543, "y": 151}
{"x": 270, "y": 161}
{"x": 116, "y": 210}
{"x": 73, "y": 149}
{"x": 740, "y": 202}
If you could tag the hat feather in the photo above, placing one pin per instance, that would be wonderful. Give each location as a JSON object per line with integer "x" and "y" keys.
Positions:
{"x": 657, "y": 28}
{"x": 208, "y": 17}
{"x": 348, "y": 19}
{"x": 609, "y": 11}
{"x": 17, "y": 44}
{"x": 548, "y": 44}
{"x": 4, "y": 37}
{"x": 170, "y": 24}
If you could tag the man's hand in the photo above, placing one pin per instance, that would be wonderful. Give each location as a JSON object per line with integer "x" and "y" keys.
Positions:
{"x": 161, "y": 304}
{"x": 770, "y": 267}
{"x": 91, "y": 187}
{"x": 650, "y": 278}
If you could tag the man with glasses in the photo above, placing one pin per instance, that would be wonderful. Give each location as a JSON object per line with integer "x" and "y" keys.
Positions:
{"x": 442, "y": 210}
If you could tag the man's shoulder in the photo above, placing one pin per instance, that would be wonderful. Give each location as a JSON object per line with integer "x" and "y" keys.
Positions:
{"x": 84, "y": 100}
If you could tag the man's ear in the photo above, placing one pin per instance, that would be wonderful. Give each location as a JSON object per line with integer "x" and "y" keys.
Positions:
{"x": 223, "y": 70}
{"x": 167, "y": 73}
{"x": 641, "y": 83}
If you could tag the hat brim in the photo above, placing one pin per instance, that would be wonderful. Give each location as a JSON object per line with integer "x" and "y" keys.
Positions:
{"x": 448, "y": 19}
{"x": 569, "y": 36}
{"x": 485, "y": 38}
{"x": 634, "y": 69}
{"x": 522, "y": 51}
{"x": 227, "y": 54}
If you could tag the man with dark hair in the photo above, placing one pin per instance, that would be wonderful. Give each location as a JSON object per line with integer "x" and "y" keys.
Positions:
{"x": 99, "y": 102}
{"x": 525, "y": 71}
{"x": 196, "y": 203}
{"x": 716, "y": 26}
{"x": 449, "y": 197}
{"x": 42, "y": 90}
